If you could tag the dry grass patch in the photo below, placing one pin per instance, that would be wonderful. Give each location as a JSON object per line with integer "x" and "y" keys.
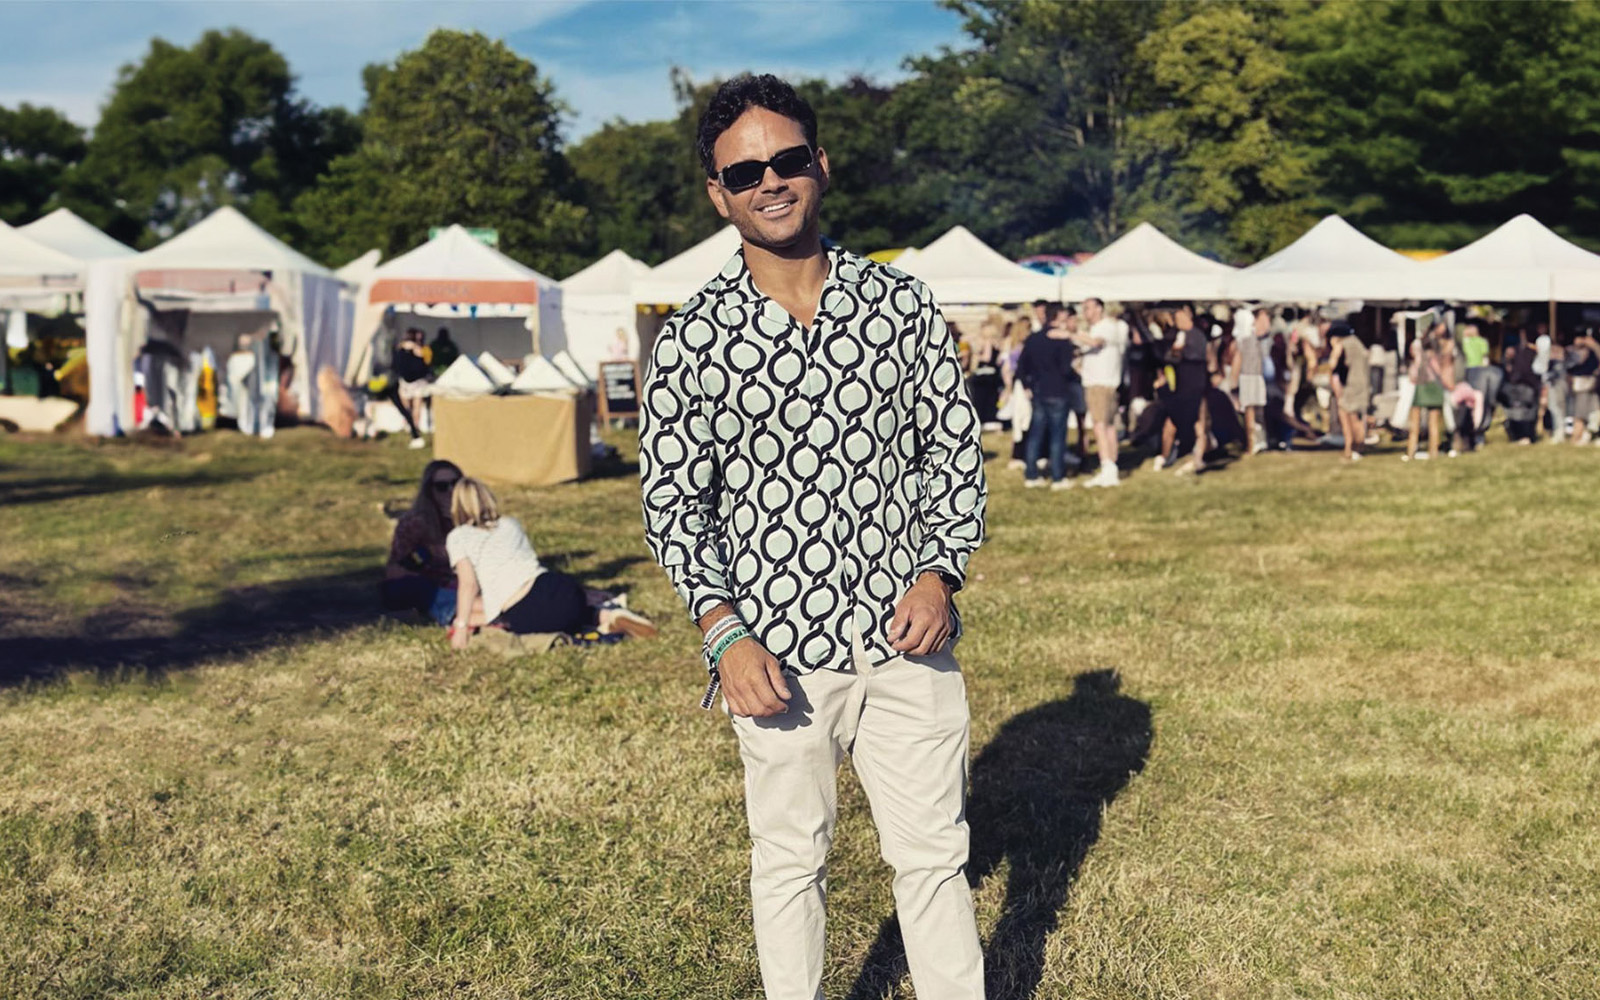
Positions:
{"x": 1292, "y": 730}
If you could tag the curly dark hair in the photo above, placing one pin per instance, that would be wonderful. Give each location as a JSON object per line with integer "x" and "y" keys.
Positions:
{"x": 739, "y": 95}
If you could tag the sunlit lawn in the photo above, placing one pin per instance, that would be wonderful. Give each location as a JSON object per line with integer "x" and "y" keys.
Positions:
{"x": 1354, "y": 751}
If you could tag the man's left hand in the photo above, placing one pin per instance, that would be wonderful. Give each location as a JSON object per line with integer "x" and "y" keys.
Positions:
{"x": 921, "y": 623}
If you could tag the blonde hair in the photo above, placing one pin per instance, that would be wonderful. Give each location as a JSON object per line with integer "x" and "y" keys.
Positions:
{"x": 472, "y": 503}
{"x": 1018, "y": 332}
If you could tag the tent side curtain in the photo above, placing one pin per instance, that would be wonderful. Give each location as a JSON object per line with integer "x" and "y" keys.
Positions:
{"x": 456, "y": 291}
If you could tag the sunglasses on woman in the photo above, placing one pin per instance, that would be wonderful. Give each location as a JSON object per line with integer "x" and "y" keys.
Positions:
{"x": 786, "y": 163}
{"x": 445, "y": 485}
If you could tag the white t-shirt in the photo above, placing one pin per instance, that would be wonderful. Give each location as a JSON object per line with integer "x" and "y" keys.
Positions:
{"x": 1103, "y": 365}
{"x": 1541, "y": 354}
{"x": 501, "y": 557}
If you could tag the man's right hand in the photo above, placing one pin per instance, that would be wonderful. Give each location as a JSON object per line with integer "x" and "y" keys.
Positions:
{"x": 752, "y": 681}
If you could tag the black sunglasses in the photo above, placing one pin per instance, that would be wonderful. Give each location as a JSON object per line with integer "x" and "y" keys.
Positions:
{"x": 786, "y": 163}
{"x": 445, "y": 485}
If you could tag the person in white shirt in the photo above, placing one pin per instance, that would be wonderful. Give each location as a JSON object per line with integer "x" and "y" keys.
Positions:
{"x": 492, "y": 557}
{"x": 1104, "y": 347}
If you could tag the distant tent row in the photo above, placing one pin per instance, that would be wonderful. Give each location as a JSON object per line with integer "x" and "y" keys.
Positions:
{"x": 226, "y": 276}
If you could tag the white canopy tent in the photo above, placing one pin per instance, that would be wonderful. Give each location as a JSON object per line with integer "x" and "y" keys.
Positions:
{"x": 30, "y": 268}
{"x": 223, "y": 264}
{"x": 1146, "y": 265}
{"x": 1522, "y": 261}
{"x": 959, "y": 268}
{"x": 510, "y": 309}
{"x": 65, "y": 231}
{"x": 1332, "y": 260}
{"x": 674, "y": 282}
{"x": 597, "y": 305}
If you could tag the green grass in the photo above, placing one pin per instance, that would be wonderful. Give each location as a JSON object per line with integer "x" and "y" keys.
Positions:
{"x": 1354, "y": 751}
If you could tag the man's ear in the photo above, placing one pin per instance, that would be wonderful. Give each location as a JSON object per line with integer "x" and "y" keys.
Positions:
{"x": 719, "y": 197}
{"x": 822, "y": 168}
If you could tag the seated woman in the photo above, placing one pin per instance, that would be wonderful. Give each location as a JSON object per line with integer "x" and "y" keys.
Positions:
{"x": 491, "y": 556}
{"x": 418, "y": 573}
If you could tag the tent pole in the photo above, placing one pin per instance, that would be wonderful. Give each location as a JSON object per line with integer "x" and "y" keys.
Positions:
{"x": 1552, "y": 320}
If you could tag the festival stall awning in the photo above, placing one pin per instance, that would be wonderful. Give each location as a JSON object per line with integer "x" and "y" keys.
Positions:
{"x": 218, "y": 262}
{"x": 34, "y": 263}
{"x": 225, "y": 240}
{"x": 65, "y": 231}
{"x": 455, "y": 267}
{"x": 1522, "y": 261}
{"x": 960, "y": 268}
{"x": 1146, "y": 265}
{"x": 597, "y": 309}
{"x": 674, "y": 282}
{"x": 1332, "y": 260}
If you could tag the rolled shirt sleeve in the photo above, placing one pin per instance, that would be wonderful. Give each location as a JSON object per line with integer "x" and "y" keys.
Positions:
{"x": 949, "y": 436}
{"x": 680, "y": 477}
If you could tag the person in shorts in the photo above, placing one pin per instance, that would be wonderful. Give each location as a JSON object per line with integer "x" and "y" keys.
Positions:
{"x": 1249, "y": 368}
{"x": 1104, "y": 347}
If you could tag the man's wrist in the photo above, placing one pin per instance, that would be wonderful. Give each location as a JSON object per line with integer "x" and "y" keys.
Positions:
{"x": 948, "y": 581}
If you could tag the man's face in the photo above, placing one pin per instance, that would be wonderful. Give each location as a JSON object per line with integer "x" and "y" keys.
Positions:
{"x": 1263, "y": 322}
{"x": 1184, "y": 319}
{"x": 1093, "y": 311}
{"x": 779, "y": 211}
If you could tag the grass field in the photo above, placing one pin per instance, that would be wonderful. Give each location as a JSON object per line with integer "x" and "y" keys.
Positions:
{"x": 1294, "y": 729}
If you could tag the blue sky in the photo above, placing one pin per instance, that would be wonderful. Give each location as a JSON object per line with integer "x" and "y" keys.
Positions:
{"x": 607, "y": 58}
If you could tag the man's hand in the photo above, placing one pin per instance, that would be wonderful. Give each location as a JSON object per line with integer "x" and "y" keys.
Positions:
{"x": 460, "y": 636}
{"x": 921, "y": 623}
{"x": 752, "y": 681}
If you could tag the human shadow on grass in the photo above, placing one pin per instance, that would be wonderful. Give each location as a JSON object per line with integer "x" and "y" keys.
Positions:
{"x": 37, "y": 643}
{"x": 49, "y": 489}
{"x": 1038, "y": 792}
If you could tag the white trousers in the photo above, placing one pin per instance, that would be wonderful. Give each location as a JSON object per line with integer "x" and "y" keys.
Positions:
{"x": 904, "y": 723}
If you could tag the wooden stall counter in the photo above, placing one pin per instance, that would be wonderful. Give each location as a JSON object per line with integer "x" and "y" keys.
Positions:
{"x": 531, "y": 440}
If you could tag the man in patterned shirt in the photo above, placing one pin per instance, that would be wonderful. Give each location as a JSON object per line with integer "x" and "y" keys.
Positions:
{"x": 811, "y": 465}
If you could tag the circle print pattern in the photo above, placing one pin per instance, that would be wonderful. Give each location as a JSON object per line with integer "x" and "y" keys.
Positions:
{"x": 807, "y": 476}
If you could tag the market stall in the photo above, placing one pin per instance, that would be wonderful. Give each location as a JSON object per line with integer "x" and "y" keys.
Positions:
{"x": 1146, "y": 265}
{"x": 601, "y": 318}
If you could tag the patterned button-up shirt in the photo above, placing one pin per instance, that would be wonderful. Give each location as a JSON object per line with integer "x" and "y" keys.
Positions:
{"x": 807, "y": 477}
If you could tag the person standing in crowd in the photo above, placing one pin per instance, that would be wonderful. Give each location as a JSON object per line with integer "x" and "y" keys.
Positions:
{"x": 1482, "y": 375}
{"x": 1045, "y": 371}
{"x": 1040, "y": 320}
{"x": 1104, "y": 346}
{"x": 812, "y": 477}
{"x": 1250, "y": 370}
{"x": 984, "y": 378}
{"x": 1192, "y": 359}
{"x": 443, "y": 351}
{"x": 1582, "y": 364}
{"x": 1520, "y": 394}
{"x": 1427, "y": 374}
{"x": 1356, "y": 395}
{"x": 408, "y": 369}
{"x": 1015, "y": 403}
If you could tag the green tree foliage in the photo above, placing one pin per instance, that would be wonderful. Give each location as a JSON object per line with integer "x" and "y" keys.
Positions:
{"x": 462, "y": 130}
{"x": 638, "y": 183}
{"x": 1438, "y": 121}
{"x": 1040, "y": 111}
{"x": 37, "y": 147}
{"x": 190, "y": 129}
{"x": 1235, "y": 177}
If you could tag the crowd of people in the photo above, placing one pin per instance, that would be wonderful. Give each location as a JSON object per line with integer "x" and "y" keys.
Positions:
{"x": 1184, "y": 385}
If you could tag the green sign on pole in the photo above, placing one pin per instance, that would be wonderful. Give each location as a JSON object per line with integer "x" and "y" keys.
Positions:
{"x": 488, "y": 237}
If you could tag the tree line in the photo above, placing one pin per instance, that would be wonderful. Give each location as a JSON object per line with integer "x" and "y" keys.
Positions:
{"x": 1053, "y": 128}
